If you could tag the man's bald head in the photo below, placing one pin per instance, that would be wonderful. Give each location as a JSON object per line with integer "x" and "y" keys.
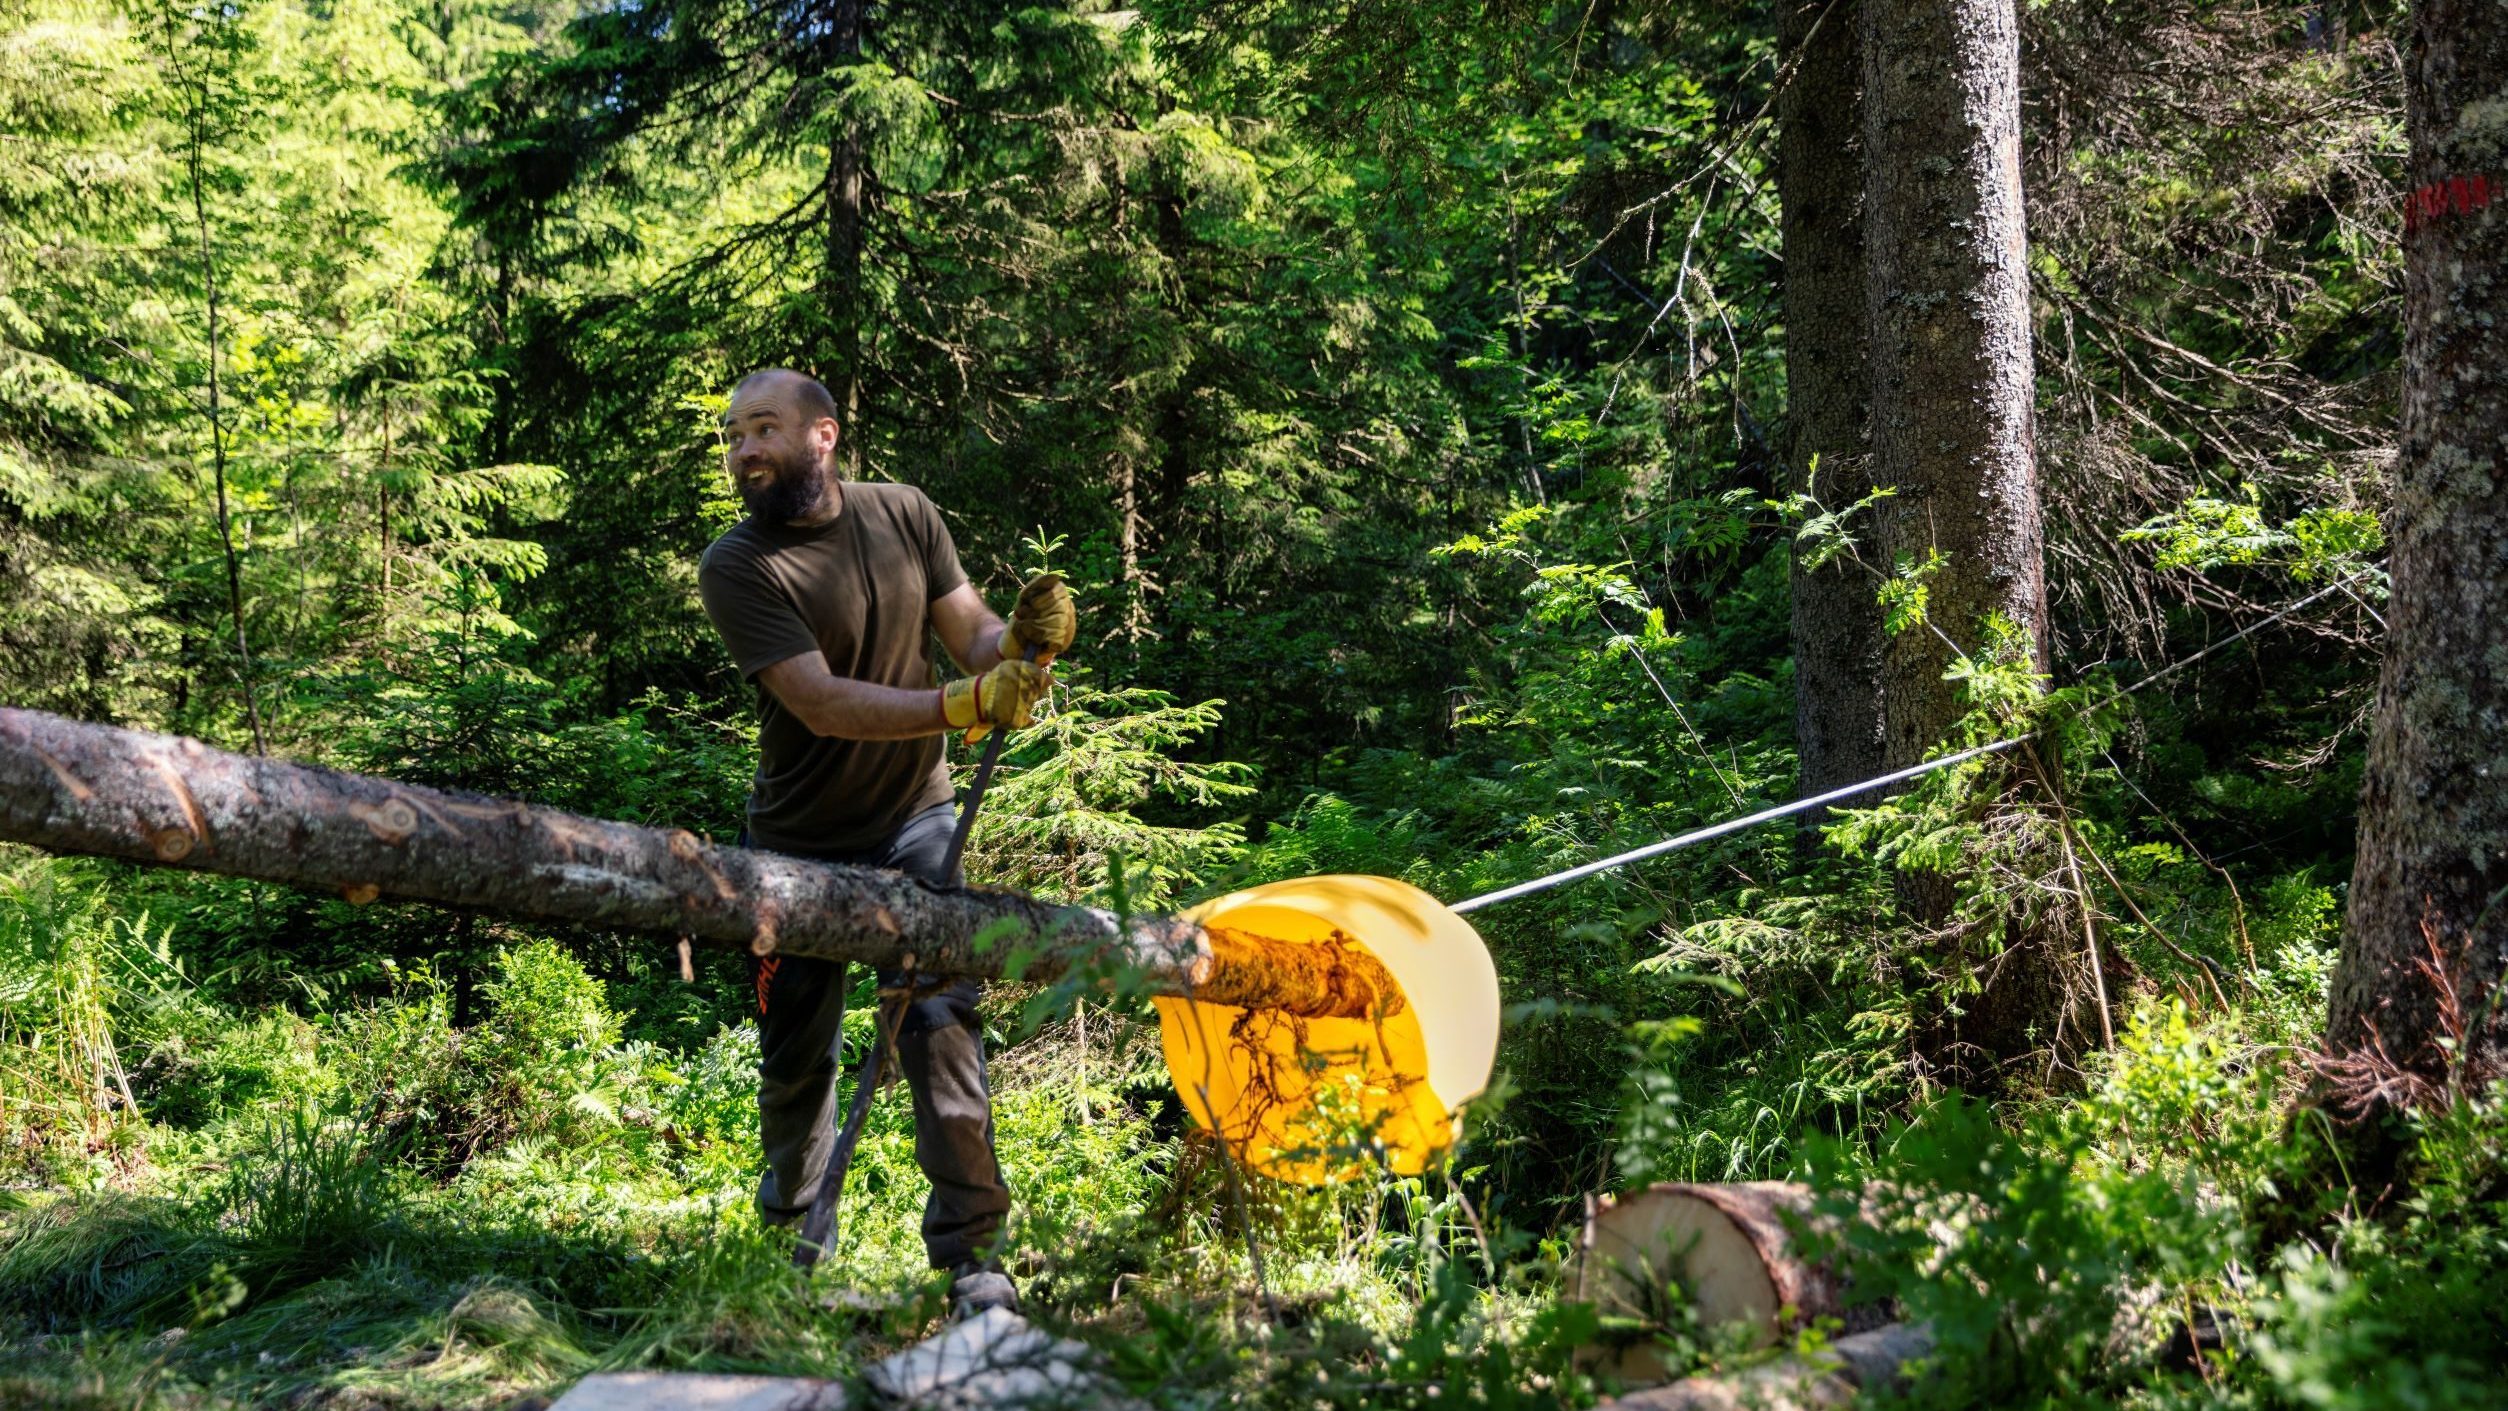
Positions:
{"x": 810, "y": 396}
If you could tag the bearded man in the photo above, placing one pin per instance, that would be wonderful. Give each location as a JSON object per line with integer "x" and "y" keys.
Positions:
{"x": 827, "y": 596}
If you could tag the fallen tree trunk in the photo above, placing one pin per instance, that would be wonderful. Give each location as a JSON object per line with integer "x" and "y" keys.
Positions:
{"x": 1832, "y": 1377}
{"x": 69, "y": 787}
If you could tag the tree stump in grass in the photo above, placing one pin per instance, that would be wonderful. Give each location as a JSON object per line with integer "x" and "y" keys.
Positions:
{"x": 1723, "y": 1249}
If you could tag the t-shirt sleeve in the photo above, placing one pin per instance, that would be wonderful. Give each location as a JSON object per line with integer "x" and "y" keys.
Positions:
{"x": 941, "y": 571}
{"x": 758, "y": 625}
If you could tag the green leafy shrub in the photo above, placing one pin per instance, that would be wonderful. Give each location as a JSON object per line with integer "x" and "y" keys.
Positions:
{"x": 548, "y": 1023}
{"x": 2186, "y": 1098}
{"x": 230, "y": 1069}
{"x": 2058, "y": 1258}
{"x": 402, "y": 1059}
{"x": 537, "y": 1061}
{"x": 712, "y": 1095}
{"x": 2321, "y": 544}
{"x": 2406, "y": 1305}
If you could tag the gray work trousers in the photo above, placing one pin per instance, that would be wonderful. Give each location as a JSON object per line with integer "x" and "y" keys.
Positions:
{"x": 801, "y": 1013}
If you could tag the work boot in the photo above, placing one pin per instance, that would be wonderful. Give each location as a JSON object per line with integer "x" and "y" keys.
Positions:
{"x": 976, "y": 1286}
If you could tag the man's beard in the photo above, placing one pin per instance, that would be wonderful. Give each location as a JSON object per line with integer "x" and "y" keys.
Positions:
{"x": 796, "y": 490}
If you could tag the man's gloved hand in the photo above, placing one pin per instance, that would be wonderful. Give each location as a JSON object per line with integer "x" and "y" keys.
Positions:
{"x": 1002, "y": 696}
{"x": 1044, "y": 619}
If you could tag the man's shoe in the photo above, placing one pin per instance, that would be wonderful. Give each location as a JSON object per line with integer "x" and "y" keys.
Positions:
{"x": 975, "y": 1287}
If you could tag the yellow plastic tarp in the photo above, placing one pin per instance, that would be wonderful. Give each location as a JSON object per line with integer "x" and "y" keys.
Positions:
{"x": 1319, "y": 1100}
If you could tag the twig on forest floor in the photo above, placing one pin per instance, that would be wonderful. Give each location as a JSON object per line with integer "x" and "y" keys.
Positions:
{"x": 2081, "y": 897}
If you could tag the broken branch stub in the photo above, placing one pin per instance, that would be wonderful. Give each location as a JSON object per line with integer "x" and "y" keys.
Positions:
{"x": 70, "y": 787}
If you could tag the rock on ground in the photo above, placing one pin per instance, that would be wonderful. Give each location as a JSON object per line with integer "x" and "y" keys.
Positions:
{"x": 995, "y": 1360}
{"x": 699, "y": 1391}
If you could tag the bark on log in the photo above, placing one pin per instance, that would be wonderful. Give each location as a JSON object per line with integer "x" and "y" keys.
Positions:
{"x": 75, "y": 788}
{"x": 1855, "y": 1363}
{"x": 1725, "y": 1249}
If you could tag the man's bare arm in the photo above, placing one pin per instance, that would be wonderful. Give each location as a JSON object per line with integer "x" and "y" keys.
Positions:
{"x": 851, "y": 710}
{"x": 968, "y": 628}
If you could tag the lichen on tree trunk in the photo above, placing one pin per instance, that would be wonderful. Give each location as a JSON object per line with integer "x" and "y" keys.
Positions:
{"x": 2429, "y": 887}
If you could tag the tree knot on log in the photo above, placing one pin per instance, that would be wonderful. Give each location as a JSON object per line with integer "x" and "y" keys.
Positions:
{"x": 173, "y": 844}
{"x": 392, "y": 821}
{"x": 692, "y": 850}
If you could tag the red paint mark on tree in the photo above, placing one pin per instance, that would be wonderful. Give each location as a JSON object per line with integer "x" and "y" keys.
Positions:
{"x": 2454, "y": 196}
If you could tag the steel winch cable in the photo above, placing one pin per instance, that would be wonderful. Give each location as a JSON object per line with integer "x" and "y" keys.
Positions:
{"x": 1896, "y": 776}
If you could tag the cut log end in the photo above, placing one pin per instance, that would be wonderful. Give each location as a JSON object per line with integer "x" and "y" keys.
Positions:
{"x": 1725, "y": 1250}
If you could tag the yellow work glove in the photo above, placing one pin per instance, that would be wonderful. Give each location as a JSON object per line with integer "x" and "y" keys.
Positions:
{"x": 1043, "y": 622}
{"x": 1001, "y": 696}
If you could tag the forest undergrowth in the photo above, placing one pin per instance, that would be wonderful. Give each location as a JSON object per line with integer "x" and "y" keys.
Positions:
{"x": 470, "y": 1171}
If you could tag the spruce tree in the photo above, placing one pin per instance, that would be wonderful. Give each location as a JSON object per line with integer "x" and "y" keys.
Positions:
{"x": 1952, "y": 410}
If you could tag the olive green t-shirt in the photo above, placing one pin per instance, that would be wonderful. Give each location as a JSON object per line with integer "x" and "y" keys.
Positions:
{"x": 860, "y": 590}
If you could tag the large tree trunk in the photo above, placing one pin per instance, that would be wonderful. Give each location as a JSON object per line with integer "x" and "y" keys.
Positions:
{"x": 93, "y": 789}
{"x": 1949, "y": 304}
{"x": 841, "y": 283}
{"x": 2427, "y": 932}
{"x": 1837, "y": 620}
{"x": 1951, "y": 422}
